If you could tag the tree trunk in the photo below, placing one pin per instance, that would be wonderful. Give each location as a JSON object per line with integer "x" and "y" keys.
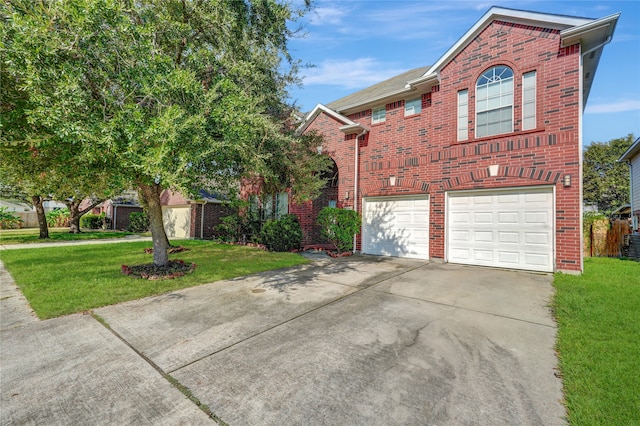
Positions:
{"x": 42, "y": 218}
{"x": 74, "y": 216}
{"x": 151, "y": 195}
{"x": 75, "y": 213}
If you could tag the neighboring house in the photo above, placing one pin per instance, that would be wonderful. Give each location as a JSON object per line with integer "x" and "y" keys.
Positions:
{"x": 477, "y": 158}
{"x": 187, "y": 218}
{"x": 632, "y": 157}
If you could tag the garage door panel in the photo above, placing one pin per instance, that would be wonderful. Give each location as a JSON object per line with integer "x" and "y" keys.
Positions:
{"x": 508, "y": 217}
{"x": 483, "y": 236}
{"x": 482, "y": 217}
{"x": 508, "y": 228}
{"x": 508, "y": 237}
{"x": 397, "y": 226}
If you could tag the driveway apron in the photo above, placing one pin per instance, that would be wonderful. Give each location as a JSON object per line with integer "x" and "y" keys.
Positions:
{"x": 359, "y": 340}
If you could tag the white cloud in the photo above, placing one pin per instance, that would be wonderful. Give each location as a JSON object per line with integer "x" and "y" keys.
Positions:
{"x": 327, "y": 16}
{"x": 621, "y": 106}
{"x": 350, "y": 74}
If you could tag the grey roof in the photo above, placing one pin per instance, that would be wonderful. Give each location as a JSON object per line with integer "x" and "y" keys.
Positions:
{"x": 378, "y": 90}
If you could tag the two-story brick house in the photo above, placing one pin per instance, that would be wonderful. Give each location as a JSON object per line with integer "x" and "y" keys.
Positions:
{"x": 477, "y": 158}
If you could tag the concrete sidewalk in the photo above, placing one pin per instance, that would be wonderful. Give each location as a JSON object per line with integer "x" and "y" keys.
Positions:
{"x": 126, "y": 239}
{"x": 359, "y": 340}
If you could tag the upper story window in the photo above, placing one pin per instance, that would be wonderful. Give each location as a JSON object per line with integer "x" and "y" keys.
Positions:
{"x": 529, "y": 100}
{"x": 494, "y": 102}
{"x": 412, "y": 106}
{"x": 378, "y": 115}
{"x": 463, "y": 115}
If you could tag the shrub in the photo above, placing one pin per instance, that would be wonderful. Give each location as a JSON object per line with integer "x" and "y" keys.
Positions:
{"x": 138, "y": 222}
{"x": 9, "y": 220}
{"x": 284, "y": 234}
{"x": 339, "y": 226}
{"x": 235, "y": 228}
{"x": 58, "y": 218}
{"x": 93, "y": 221}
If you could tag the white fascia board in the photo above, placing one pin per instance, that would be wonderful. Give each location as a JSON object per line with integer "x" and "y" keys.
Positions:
{"x": 633, "y": 150}
{"x": 558, "y": 22}
{"x": 602, "y": 28}
{"x": 378, "y": 99}
{"x": 319, "y": 108}
{"x": 352, "y": 128}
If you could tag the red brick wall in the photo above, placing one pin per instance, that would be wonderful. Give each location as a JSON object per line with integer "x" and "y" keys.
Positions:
{"x": 424, "y": 155}
{"x": 213, "y": 214}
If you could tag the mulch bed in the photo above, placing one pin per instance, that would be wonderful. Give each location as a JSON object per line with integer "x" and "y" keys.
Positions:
{"x": 172, "y": 250}
{"x": 149, "y": 271}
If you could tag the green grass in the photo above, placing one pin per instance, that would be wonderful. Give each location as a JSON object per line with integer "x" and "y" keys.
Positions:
{"x": 62, "y": 280}
{"x": 30, "y": 235}
{"x": 598, "y": 344}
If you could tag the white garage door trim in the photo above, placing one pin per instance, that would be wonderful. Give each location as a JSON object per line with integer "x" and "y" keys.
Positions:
{"x": 506, "y": 228}
{"x": 396, "y": 226}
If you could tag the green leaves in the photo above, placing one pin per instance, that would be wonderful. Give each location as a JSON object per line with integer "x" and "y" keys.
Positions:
{"x": 606, "y": 182}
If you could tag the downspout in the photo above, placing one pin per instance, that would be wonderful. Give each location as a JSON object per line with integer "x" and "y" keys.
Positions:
{"x": 634, "y": 218}
{"x": 202, "y": 220}
{"x": 115, "y": 215}
{"x": 581, "y": 142}
{"x": 355, "y": 181}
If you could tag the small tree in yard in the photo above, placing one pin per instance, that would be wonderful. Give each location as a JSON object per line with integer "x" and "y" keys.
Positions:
{"x": 339, "y": 226}
{"x": 606, "y": 181}
{"x": 172, "y": 94}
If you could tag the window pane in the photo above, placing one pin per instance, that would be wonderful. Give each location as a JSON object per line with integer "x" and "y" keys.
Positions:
{"x": 529, "y": 101}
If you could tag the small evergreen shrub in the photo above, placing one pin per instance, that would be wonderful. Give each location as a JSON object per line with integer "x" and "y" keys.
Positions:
{"x": 138, "y": 222}
{"x": 339, "y": 226}
{"x": 9, "y": 220}
{"x": 58, "y": 218}
{"x": 284, "y": 234}
{"x": 239, "y": 228}
{"x": 93, "y": 221}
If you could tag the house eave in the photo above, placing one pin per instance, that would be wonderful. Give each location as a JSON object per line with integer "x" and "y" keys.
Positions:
{"x": 375, "y": 101}
{"x": 317, "y": 110}
{"x": 630, "y": 153}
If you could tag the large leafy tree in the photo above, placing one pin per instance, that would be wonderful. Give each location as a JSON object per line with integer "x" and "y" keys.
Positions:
{"x": 605, "y": 181}
{"x": 180, "y": 94}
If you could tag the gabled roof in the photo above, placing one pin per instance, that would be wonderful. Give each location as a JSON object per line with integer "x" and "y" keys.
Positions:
{"x": 348, "y": 123}
{"x": 378, "y": 91}
{"x": 592, "y": 34}
{"x": 630, "y": 153}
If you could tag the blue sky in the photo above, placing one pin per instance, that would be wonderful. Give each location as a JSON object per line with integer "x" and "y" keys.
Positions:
{"x": 353, "y": 44}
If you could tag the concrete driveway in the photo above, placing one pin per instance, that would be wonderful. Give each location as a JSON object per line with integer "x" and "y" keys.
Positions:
{"x": 359, "y": 340}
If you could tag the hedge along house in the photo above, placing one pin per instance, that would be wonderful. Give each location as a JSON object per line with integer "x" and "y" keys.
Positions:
{"x": 477, "y": 158}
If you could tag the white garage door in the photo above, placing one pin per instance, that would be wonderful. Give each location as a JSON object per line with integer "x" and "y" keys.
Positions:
{"x": 507, "y": 229}
{"x": 396, "y": 226}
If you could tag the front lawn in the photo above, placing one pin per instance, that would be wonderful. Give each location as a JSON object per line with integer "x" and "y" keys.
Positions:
{"x": 63, "y": 280}
{"x": 31, "y": 235}
{"x": 598, "y": 344}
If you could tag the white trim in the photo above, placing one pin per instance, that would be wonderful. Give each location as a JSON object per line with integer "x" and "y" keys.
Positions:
{"x": 319, "y": 108}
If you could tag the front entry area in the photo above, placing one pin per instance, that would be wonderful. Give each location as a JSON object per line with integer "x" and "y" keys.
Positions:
{"x": 396, "y": 226}
{"x": 511, "y": 228}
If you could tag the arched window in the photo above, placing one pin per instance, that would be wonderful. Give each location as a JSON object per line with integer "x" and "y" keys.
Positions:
{"x": 494, "y": 102}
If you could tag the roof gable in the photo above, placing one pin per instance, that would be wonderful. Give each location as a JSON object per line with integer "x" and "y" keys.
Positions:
{"x": 632, "y": 152}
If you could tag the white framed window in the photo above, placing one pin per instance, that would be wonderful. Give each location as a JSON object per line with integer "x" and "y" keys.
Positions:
{"x": 412, "y": 106}
{"x": 494, "y": 102}
{"x": 274, "y": 206}
{"x": 378, "y": 115}
{"x": 529, "y": 100}
{"x": 282, "y": 204}
{"x": 463, "y": 115}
